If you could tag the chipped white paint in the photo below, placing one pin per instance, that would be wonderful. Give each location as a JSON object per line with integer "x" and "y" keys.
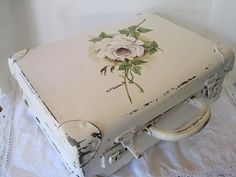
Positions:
{"x": 19, "y": 54}
{"x": 62, "y": 86}
{"x": 83, "y": 137}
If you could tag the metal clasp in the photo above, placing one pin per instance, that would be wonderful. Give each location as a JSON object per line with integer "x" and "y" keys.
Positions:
{"x": 127, "y": 141}
{"x": 210, "y": 84}
{"x": 114, "y": 157}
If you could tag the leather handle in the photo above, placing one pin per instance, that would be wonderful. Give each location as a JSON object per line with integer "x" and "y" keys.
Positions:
{"x": 186, "y": 130}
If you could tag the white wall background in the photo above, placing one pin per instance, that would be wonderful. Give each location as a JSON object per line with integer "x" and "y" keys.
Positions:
{"x": 28, "y": 23}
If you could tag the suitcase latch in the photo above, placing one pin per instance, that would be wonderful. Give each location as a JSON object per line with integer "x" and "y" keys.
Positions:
{"x": 212, "y": 87}
{"x": 114, "y": 157}
{"x": 127, "y": 141}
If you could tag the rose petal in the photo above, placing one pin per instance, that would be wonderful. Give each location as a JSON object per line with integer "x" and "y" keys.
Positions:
{"x": 119, "y": 42}
{"x": 108, "y": 46}
{"x": 139, "y": 51}
{"x": 128, "y": 38}
{"x": 101, "y": 54}
{"x": 121, "y": 58}
{"x": 133, "y": 52}
{"x": 139, "y": 42}
{"x": 130, "y": 57}
{"x": 115, "y": 54}
{"x": 116, "y": 36}
{"x": 110, "y": 54}
{"x": 97, "y": 46}
{"x": 102, "y": 44}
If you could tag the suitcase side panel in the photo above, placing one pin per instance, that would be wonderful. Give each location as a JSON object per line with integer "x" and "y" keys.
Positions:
{"x": 45, "y": 120}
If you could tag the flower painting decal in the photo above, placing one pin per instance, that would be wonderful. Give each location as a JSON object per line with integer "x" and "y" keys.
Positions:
{"x": 124, "y": 51}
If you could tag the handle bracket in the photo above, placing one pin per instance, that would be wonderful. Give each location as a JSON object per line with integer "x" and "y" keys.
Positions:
{"x": 127, "y": 141}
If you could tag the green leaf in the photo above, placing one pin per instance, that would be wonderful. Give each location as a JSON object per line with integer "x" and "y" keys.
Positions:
{"x": 146, "y": 51}
{"x": 125, "y": 65}
{"x": 138, "y": 61}
{"x": 154, "y": 44}
{"x": 112, "y": 68}
{"x": 132, "y": 28}
{"x": 101, "y": 36}
{"x": 104, "y": 35}
{"x": 135, "y": 34}
{"x": 147, "y": 45}
{"x": 136, "y": 69}
{"x": 144, "y": 30}
{"x": 124, "y": 31}
{"x": 152, "y": 51}
{"x": 151, "y": 47}
{"x": 95, "y": 39}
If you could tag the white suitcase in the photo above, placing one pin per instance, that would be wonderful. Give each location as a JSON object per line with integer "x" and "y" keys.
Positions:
{"x": 105, "y": 97}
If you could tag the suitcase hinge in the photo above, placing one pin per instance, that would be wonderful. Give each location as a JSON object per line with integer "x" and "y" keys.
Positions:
{"x": 127, "y": 141}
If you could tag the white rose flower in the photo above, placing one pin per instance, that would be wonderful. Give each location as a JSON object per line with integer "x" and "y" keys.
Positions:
{"x": 119, "y": 47}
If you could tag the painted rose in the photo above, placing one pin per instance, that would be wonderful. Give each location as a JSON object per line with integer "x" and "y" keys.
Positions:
{"x": 119, "y": 47}
{"x": 125, "y": 50}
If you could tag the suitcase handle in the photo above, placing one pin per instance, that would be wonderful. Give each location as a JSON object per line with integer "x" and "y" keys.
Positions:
{"x": 186, "y": 130}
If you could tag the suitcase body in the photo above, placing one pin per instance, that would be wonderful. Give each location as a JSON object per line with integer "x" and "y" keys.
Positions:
{"x": 105, "y": 97}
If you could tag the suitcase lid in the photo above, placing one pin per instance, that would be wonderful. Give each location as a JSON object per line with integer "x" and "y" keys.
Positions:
{"x": 102, "y": 76}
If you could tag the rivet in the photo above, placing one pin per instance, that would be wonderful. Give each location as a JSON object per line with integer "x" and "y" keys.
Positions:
{"x": 82, "y": 124}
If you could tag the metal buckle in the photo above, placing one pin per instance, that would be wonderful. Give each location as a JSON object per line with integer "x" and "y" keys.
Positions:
{"x": 127, "y": 141}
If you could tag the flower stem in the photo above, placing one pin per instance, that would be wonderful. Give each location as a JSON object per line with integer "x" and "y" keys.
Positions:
{"x": 140, "y": 23}
{"x": 132, "y": 80}
{"x": 126, "y": 88}
{"x": 132, "y": 76}
{"x": 140, "y": 88}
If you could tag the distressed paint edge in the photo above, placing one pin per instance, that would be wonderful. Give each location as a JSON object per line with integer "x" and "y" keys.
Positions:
{"x": 20, "y": 54}
{"x": 227, "y": 56}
